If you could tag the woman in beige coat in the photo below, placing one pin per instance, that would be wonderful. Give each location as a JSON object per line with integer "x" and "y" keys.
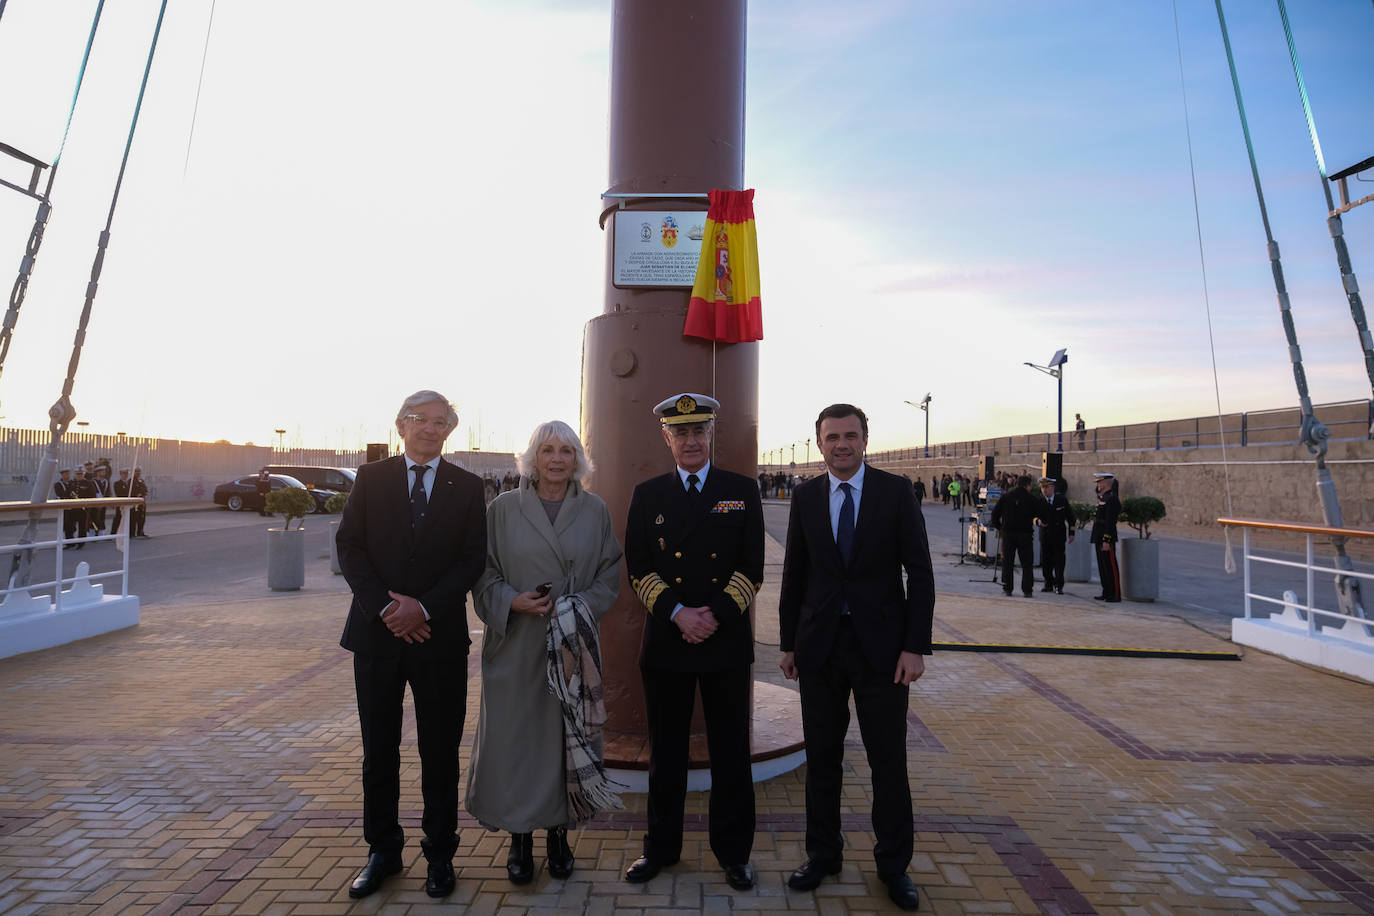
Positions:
{"x": 548, "y": 531}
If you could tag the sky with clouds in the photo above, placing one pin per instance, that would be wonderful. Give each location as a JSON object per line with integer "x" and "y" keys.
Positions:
{"x": 379, "y": 199}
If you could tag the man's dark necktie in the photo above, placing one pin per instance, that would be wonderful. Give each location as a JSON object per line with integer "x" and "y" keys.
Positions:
{"x": 844, "y": 531}
{"x": 418, "y": 500}
{"x": 692, "y": 491}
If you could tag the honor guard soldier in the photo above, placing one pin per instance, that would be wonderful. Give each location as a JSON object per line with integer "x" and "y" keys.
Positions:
{"x": 694, "y": 552}
{"x": 138, "y": 488}
{"x": 72, "y": 519}
{"x": 121, "y": 489}
{"x": 1104, "y": 536}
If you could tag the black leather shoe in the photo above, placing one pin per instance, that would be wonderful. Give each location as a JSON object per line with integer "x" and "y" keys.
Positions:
{"x": 1007, "y": 592}
{"x": 1112, "y": 600}
{"x": 377, "y": 870}
{"x": 440, "y": 881}
{"x": 810, "y": 875}
{"x": 1099, "y": 597}
{"x": 1029, "y": 594}
{"x": 740, "y": 877}
{"x": 644, "y": 868}
{"x": 1046, "y": 588}
{"x": 520, "y": 862}
{"x": 902, "y": 891}
{"x": 561, "y": 859}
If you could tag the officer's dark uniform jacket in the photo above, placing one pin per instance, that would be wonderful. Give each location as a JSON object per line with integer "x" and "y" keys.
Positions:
{"x": 1016, "y": 511}
{"x": 710, "y": 554}
{"x": 1104, "y": 522}
{"x": 1057, "y": 518}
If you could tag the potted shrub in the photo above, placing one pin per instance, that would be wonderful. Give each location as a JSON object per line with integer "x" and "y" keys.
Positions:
{"x": 1078, "y": 556}
{"x": 1140, "y": 555}
{"x": 334, "y": 505}
{"x": 285, "y": 545}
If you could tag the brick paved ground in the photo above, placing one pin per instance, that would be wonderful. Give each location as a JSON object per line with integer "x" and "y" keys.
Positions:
{"x": 207, "y": 762}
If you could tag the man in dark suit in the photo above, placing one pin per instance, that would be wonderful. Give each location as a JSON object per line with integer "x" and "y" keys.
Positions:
{"x": 694, "y": 552}
{"x": 1014, "y": 516}
{"x": 412, "y": 543}
{"x": 1056, "y": 530}
{"x": 849, "y": 626}
{"x": 1104, "y": 536}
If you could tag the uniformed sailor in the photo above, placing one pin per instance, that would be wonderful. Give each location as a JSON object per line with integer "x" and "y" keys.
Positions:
{"x": 694, "y": 553}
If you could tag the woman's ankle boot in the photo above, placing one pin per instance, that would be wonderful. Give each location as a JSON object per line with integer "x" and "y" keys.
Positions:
{"x": 561, "y": 859}
{"x": 520, "y": 862}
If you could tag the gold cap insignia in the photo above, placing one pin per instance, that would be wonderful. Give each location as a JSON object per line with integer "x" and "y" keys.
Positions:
{"x": 686, "y": 404}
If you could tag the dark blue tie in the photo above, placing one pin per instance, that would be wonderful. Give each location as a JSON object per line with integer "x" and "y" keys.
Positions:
{"x": 418, "y": 500}
{"x": 692, "y": 491}
{"x": 844, "y": 531}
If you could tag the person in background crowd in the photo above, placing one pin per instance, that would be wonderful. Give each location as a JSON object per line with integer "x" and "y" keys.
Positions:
{"x": 1014, "y": 516}
{"x": 1080, "y": 431}
{"x": 1056, "y": 528}
{"x": 121, "y": 489}
{"x": 1104, "y": 536}
{"x": 919, "y": 488}
{"x": 264, "y": 485}
{"x": 138, "y": 488}
{"x": 84, "y": 488}
{"x": 73, "y": 520}
{"x": 102, "y": 489}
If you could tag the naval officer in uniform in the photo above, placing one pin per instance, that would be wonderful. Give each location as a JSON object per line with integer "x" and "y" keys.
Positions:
{"x": 694, "y": 553}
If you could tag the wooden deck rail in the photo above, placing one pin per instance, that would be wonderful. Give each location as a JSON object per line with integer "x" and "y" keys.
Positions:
{"x": 1296, "y": 528}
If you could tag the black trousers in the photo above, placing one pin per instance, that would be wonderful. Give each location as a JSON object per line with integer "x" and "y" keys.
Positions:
{"x": 1052, "y": 561}
{"x": 137, "y": 515}
{"x": 438, "y": 688}
{"x": 670, "y": 696}
{"x": 119, "y": 516}
{"x": 1018, "y": 544}
{"x": 882, "y": 708}
{"x": 1107, "y": 570}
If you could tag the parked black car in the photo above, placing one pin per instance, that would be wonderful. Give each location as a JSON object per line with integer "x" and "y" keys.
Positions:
{"x": 338, "y": 479}
{"x": 243, "y": 493}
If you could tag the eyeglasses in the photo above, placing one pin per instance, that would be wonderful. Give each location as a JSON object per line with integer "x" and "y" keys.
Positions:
{"x": 436, "y": 422}
{"x": 682, "y": 433}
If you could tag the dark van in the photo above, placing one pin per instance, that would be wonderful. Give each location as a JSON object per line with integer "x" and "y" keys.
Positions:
{"x": 340, "y": 479}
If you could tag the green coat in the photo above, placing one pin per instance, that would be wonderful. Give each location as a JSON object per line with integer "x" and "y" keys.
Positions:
{"x": 516, "y": 781}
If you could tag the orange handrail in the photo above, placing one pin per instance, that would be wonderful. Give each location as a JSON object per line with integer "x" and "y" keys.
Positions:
{"x": 1296, "y": 528}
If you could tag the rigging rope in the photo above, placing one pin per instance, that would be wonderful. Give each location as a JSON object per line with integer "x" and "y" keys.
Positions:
{"x": 40, "y": 220}
{"x": 1314, "y": 432}
{"x": 61, "y": 413}
{"x": 1230, "y": 561}
{"x": 1334, "y": 224}
{"x": 205, "y": 52}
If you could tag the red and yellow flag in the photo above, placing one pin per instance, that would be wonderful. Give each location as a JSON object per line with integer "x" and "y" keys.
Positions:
{"x": 725, "y": 298}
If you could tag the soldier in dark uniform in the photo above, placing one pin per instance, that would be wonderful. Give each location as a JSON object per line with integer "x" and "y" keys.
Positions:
{"x": 264, "y": 485}
{"x": 1056, "y": 528}
{"x": 72, "y": 519}
{"x": 83, "y": 488}
{"x": 1015, "y": 515}
{"x": 138, "y": 488}
{"x": 1104, "y": 537}
{"x": 121, "y": 488}
{"x": 694, "y": 553}
{"x": 102, "y": 488}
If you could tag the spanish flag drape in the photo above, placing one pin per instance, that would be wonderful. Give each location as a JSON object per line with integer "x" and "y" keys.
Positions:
{"x": 725, "y": 298}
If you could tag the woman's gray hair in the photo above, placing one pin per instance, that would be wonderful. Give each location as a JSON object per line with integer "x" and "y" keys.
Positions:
{"x": 426, "y": 397}
{"x": 559, "y": 432}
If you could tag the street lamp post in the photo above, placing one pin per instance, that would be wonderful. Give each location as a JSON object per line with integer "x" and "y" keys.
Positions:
{"x": 808, "y": 452}
{"x": 925, "y": 408}
{"x": 280, "y": 433}
{"x": 1056, "y": 370}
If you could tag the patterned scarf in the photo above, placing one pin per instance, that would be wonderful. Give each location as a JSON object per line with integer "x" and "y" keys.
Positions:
{"x": 575, "y": 678}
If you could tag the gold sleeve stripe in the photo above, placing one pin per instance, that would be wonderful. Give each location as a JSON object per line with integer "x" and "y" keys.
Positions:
{"x": 649, "y": 588}
{"x": 741, "y": 591}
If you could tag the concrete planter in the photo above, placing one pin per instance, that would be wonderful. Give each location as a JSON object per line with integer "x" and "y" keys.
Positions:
{"x": 285, "y": 559}
{"x": 1079, "y": 561}
{"x": 1139, "y": 561}
{"x": 334, "y": 548}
